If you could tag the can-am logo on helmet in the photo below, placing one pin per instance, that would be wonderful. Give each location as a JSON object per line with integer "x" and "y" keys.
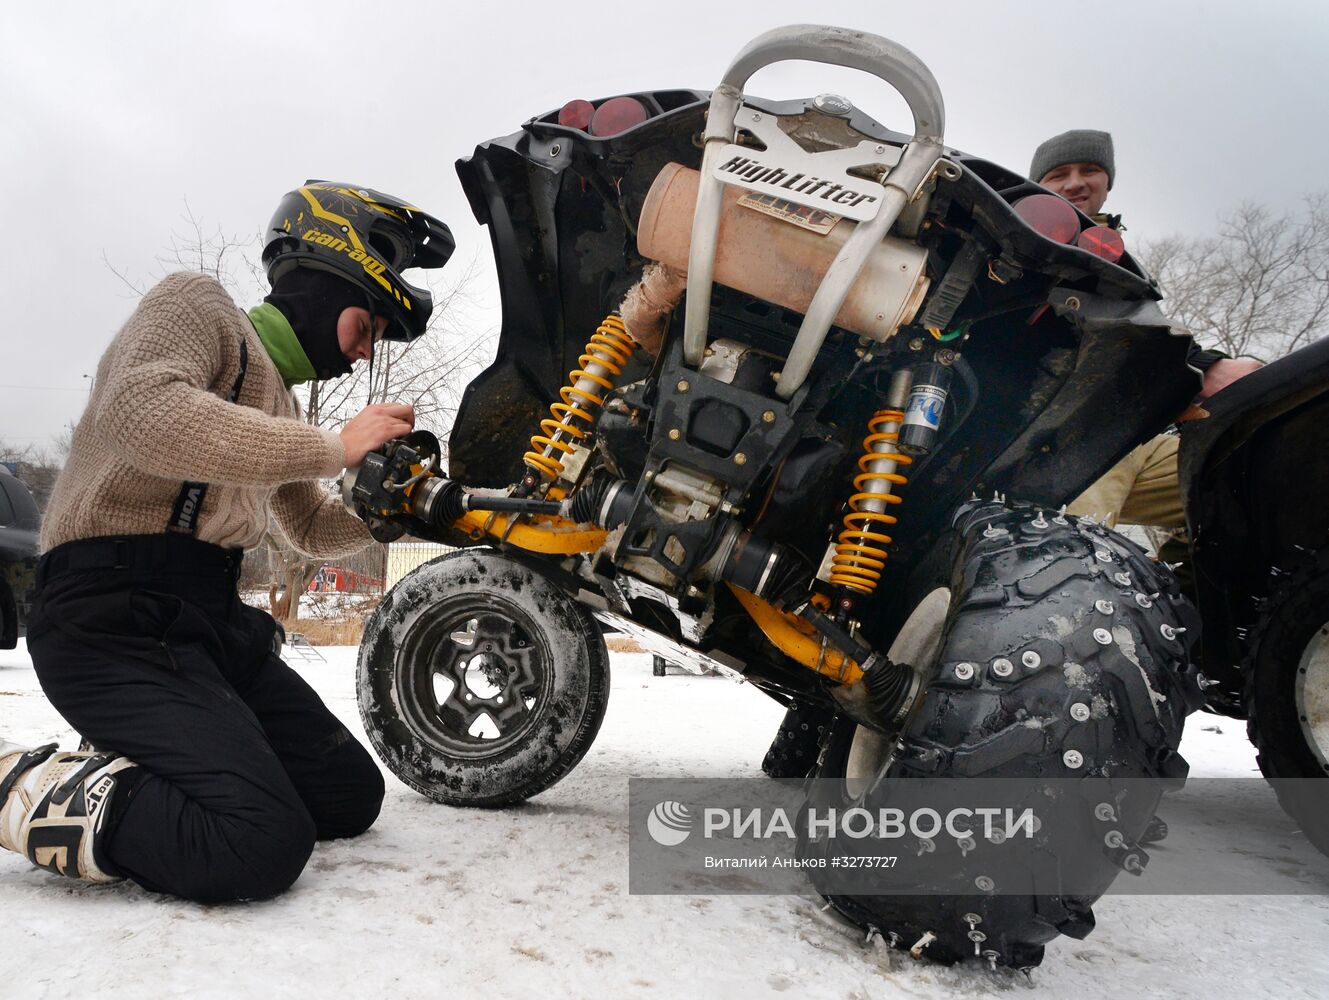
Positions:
{"x": 669, "y": 823}
{"x": 371, "y": 264}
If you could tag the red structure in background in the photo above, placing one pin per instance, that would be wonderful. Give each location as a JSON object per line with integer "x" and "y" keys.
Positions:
{"x": 340, "y": 580}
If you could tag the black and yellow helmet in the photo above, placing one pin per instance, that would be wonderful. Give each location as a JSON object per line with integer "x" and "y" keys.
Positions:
{"x": 365, "y": 236}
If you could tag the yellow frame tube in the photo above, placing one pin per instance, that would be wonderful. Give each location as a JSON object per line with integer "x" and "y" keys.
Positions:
{"x": 798, "y": 639}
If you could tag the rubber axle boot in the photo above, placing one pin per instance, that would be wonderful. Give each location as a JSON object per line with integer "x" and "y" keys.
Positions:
{"x": 53, "y": 807}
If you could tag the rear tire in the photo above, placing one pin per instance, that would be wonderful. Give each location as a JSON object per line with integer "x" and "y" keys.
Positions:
{"x": 1024, "y": 677}
{"x": 481, "y": 682}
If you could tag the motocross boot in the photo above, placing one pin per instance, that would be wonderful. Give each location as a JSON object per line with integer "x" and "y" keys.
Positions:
{"x": 53, "y": 807}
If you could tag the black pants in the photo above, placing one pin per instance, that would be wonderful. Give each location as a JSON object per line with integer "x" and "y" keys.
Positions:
{"x": 144, "y": 646}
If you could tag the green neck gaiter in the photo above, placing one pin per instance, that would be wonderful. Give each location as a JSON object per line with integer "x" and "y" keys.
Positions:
{"x": 281, "y": 344}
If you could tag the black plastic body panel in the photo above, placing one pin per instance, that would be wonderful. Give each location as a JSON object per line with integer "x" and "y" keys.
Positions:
{"x": 1255, "y": 477}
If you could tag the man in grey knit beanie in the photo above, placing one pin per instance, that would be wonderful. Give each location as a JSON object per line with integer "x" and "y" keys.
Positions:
{"x": 1078, "y": 165}
{"x": 1143, "y": 488}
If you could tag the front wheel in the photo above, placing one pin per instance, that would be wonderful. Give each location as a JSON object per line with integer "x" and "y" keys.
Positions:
{"x": 480, "y": 681}
{"x": 1064, "y": 654}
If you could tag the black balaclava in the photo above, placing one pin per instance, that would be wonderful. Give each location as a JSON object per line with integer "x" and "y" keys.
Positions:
{"x": 312, "y": 301}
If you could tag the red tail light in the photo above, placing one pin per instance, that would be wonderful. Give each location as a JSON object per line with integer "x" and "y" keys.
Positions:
{"x": 1104, "y": 241}
{"x": 577, "y": 114}
{"x": 1050, "y": 215}
{"x": 618, "y": 114}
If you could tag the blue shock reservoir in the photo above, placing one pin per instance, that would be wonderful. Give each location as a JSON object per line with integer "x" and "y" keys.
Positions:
{"x": 922, "y": 414}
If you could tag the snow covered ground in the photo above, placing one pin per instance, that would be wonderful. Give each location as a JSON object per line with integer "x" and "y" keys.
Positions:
{"x": 533, "y": 901}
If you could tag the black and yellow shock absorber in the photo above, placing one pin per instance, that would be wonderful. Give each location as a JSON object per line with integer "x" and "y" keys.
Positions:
{"x": 860, "y": 549}
{"x": 572, "y": 417}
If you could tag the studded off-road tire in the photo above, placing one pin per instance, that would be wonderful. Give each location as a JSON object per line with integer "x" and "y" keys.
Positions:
{"x": 794, "y": 751}
{"x": 1287, "y": 690}
{"x": 481, "y": 683}
{"x": 1061, "y": 656}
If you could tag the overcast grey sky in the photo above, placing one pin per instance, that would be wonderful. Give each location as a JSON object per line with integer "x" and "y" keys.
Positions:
{"x": 114, "y": 114}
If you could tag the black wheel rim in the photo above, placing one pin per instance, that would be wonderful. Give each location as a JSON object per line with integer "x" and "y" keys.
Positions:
{"x": 473, "y": 675}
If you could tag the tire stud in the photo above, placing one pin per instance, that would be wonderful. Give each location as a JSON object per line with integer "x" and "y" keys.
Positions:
{"x": 972, "y": 919}
{"x": 1061, "y": 516}
{"x": 1103, "y": 637}
{"x": 1105, "y": 813}
{"x": 1123, "y": 578}
{"x": 1003, "y": 667}
{"x": 1114, "y": 839}
{"x": 1039, "y": 522}
{"x": 1144, "y": 601}
{"x": 917, "y": 950}
{"x": 978, "y": 937}
{"x": 966, "y": 844}
{"x": 1073, "y": 759}
{"x": 1031, "y": 659}
{"x": 1168, "y": 632}
{"x": 1103, "y": 555}
{"x": 1080, "y": 712}
{"x": 984, "y": 884}
{"x": 1104, "y": 607}
{"x": 964, "y": 671}
{"x": 1132, "y": 864}
{"x": 992, "y": 957}
{"x": 925, "y": 846}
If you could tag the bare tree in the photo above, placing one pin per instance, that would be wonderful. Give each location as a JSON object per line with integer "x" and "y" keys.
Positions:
{"x": 36, "y": 466}
{"x": 1260, "y": 288}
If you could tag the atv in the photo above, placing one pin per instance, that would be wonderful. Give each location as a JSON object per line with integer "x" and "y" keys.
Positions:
{"x": 791, "y": 396}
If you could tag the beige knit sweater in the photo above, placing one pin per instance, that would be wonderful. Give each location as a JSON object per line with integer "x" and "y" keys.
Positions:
{"x": 159, "y": 416}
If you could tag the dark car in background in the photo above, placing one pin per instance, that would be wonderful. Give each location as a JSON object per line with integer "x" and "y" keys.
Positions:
{"x": 20, "y": 522}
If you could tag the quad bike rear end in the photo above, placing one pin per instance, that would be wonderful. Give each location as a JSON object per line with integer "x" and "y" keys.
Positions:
{"x": 791, "y": 396}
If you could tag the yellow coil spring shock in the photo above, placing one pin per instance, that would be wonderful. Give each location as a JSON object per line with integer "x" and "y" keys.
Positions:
{"x": 605, "y": 355}
{"x": 860, "y": 553}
